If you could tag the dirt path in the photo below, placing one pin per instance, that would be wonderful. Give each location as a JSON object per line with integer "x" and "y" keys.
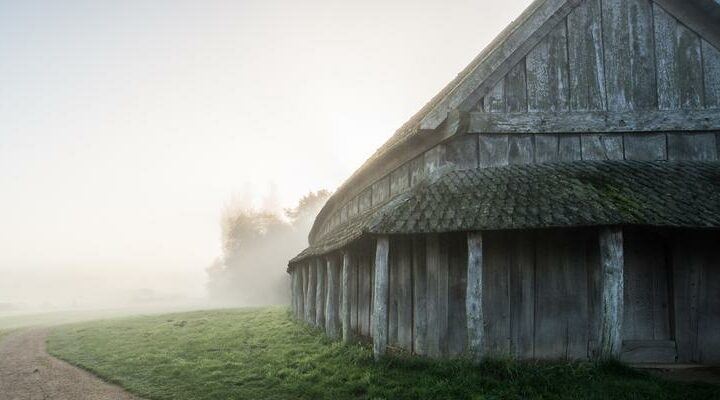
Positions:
{"x": 27, "y": 372}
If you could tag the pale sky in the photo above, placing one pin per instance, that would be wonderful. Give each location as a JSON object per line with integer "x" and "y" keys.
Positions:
{"x": 126, "y": 125}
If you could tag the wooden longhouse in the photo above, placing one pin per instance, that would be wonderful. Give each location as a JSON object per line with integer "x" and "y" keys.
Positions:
{"x": 560, "y": 199}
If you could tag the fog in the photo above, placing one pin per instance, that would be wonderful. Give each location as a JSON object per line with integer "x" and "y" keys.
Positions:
{"x": 126, "y": 129}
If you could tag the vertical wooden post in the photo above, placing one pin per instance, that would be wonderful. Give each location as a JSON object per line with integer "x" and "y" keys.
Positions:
{"x": 380, "y": 314}
{"x": 320, "y": 296}
{"x": 332, "y": 320}
{"x": 345, "y": 304}
{"x": 419, "y": 297}
{"x": 292, "y": 293}
{"x": 300, "y": 292}
{"x": 310, "y": 305}
{"x": 473, "y": 296}
{"x": 611, "y": 302}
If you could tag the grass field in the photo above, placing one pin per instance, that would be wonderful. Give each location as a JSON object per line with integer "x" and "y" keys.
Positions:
{"x": 263, "y": 354}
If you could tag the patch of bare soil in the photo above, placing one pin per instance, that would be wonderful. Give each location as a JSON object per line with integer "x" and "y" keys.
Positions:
{"x": 28, "y": 372}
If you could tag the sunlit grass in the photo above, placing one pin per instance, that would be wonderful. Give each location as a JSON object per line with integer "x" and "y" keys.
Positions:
{"x": 263, "y": 354}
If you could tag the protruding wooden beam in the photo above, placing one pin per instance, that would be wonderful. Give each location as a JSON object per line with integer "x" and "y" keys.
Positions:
{"x": 345, "y": 303}
{"x": 310, "y": 304}
{"x": 611, "y": 302}
{"x": 320, "y": 293}
{"x": 332, "y": 320}
{"x": 473, "y": 296}
{"x": 380, "y": 305}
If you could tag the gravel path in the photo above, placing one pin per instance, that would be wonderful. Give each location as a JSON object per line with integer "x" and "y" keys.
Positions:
{"x": 27, "y": 372}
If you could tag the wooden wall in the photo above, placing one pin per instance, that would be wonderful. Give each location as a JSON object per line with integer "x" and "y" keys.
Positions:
{"x": 541, "y": 293}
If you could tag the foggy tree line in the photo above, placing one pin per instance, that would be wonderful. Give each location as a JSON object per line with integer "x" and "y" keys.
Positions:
{"x": 256, "y": 245}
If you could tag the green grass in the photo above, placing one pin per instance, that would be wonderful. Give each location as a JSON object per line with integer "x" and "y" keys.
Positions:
{"x": 263, "y": 354}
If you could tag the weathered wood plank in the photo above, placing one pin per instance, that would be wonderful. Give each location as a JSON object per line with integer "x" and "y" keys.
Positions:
{"x": 687, "y": 274}
{"x": 345, "y": 303}
{"x": 311, "y": 299}
{"x": 320, "y": 292}
{"x": 547, "y": 73}
{"x": 365, "y": 200}
{"x": 520, "y": 149}
{"x": 546, "y": 148}
{"x": 522, "y": 294}
{"x": 435, "y": 325}
{"x": 332, "y": 312}
{"x": 293, "y": 294}
{"x": 380, "y": 302}
{"x": 420, "y": 316}
{"x": 443, "y": 295}
{"x": 354, "y": 303}
{"x": 611, "y": 301}
{"x": 696, "y": 18}
{"x": 404, "y": 294}
{"x": 711, "y": 72}
{"x": 462, "y": 151}
{"x": 417, "y": 170}
{"x": 692, "y": 147}
{"x": 516, "y": 89}
{"x": 679, "y": 63}
{"x": 493, "y": 150}
{"x": 585, "y": 54}
{"x": 399, "y": 180}
{"x": 495, "y": 292}
{"x": 392, "y": 303}
{"x": 596, "y": 121}
{"x": 364, "y": 296}
{"x": 380, "y": 191}
{"x": 629, "y": 56}
{"x": 494, "y": 101}
{"x": 645, "y": 146}
{"x": 474, "y": 297}
{"x": 300, "y": 292}
{"x": 569, "y": 148}
{"x": 434, "y": 158}
{"x": 648, "y": 351}
{"x": 708, "y": 341}
{"x": 602, "y": 147}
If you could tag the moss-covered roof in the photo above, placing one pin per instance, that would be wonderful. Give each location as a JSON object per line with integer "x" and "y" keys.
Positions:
{"x": 569, "y": 194}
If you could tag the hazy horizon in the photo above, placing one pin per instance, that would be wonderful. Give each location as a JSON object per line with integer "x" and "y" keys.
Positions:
{"x": 127, "y": 126}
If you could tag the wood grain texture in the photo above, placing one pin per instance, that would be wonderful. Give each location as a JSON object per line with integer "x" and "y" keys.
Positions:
{"x": 547, "y": 73}
{"x": 393, "y": 289}
{"x": 585, "y": 54}
{"x": 711, "y": 73}
{"x": 522, "y": 294}
{"x": 602, "y": 147}
{"x": 457, "y": 284}
{"x": 311, "y": 299}
{"x": 646, "y": 147}
{"x": 404, "y": 293}
{"x": 679, "y": 64}
{"x": 380, "y": 191}
{"x": 546, "y": 148}
{"x": 474, "y": 296}
{"x": 436, "y": 264}
{"x": 434, "y": 158}
{"x": 493, "y": 150}
{"x": 692, "y": 146}
{"x": 346, "y": 293}
{"x": 520, "y": 149}
{"x": 320, "y": 292}
{"x": 611, "y": 301}
{"x": 569, "y": 148}
{"x": 417, "y": 170}
{"x": 332, "y": 305}
{"x": 516, "y": 89}
{"x": 462, "y": 151}
{"x": 629, "y": 55}
{"x": 400, "y": 180}
{"x": 495, "y": 292}
{"x": 420, "y": 312}
{"x": 595, "y": 122}
{"x": 494, "y": 101}
{"x": 364, "y": 296}
{"x": 380, "y": 301}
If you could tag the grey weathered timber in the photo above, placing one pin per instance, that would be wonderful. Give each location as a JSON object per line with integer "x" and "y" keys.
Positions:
{"x": 417, "y": 170}
{"x": 649, "y": 351}
{"x": 546, "y": 148}
{"x": 365, "y": 200}
{"x": 520, "y": 149}
{"x": 474, "y": 295}
{"x": 403, "y": 264}
{"x": 646, "y": 147}
{"x": 516, "y": 89}
{"x": 696, "y": 18}
{"x": 420, "y": 318}
{"x": 493, "y": 150}
{"x": 595, "y": 121}
{"x": 399, "y": 180}
{"x": 380, "y": 191}
{"x": 679, "y": 64}
{"x": 629, "y": 56}
{"x": 293, "y": 294}
{"x": 547, "y": 73}
{"x": 457, "y": 287}
{"x": 320, "y": 293}
{"x": 346, "y": 292}
{"x": 711, "y": 72}
{"x": 436, "y": 264}
{"x": 380, "y": 312}
{"x": 602, "y": 147}
{"x": 494, "y": 101}
{"x": 569, "y": 148}
{"x": 585, "y": 56}
{"x": 332, "y": 321}
{"x": 692, "y": 146}
{"x": 300, "y": 293}
{"x": 311, "y": 299}
{"x": 611, "y": 302}
{"x": 462, "y": 151}
{"x": 501, "y": 56}
{"x": 354, "y": 295}
{"x": 364, "y": 295}
{"x": 522, "y": 294}
{"x": 434, "y": 159}
{"x": 306, "y": 292}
